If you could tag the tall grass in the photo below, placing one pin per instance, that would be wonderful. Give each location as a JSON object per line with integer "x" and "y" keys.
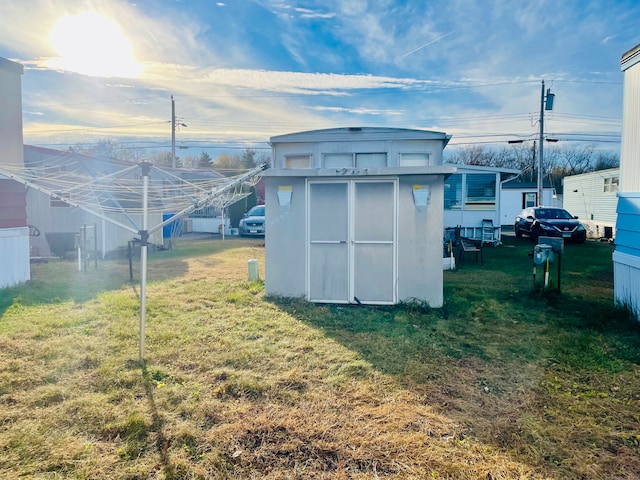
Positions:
{"x": 505, "y": 381}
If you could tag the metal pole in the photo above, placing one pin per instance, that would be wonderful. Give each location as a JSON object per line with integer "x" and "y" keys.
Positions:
{"x": 541, "y": 147}
{"x": 173, "y": 132}
{"x": 95, "y": 245}
{"x": 84, "y": 247}
{"x": 222, "y": 223}
{"x": 144, "y": 237}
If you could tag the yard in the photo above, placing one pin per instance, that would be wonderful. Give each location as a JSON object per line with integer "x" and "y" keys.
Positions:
{"x": 504, "y": 382}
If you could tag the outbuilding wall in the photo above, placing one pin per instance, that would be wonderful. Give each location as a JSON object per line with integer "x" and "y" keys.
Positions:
{"x": 626, "y": 258}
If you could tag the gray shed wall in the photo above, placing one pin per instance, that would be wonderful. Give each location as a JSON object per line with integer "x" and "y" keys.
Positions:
{"x": 419, "y": 242}
{"x": 285, "y": 258}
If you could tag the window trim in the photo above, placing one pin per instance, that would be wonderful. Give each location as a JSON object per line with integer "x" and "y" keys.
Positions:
{"x": 426, "y": 154}
{"x": 308, "y": 156}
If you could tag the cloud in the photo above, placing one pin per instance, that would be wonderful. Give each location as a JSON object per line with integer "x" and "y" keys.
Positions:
{"x": 308, "y": 13}
{"x": 357, "y": 111}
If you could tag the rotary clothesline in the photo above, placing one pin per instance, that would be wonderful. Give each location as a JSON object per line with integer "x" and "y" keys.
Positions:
{"x": 105, "y": 195}
{"x": 83, "y": 187}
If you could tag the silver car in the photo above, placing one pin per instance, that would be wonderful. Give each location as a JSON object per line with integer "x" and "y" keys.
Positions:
{"x": 252, "y": 222}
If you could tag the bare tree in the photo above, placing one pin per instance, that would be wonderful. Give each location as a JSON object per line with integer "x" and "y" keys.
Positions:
{"x": 605, "y": 160}
{"x": 576, "y": 159}
{"x": 189, "y": 161}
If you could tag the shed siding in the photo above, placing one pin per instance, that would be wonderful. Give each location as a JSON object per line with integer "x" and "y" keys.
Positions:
{"x": 393, "y": 149}
{"x": 285, "y": 241}
{"x": 628, "y": 225}
{"x": 14, "y": 243}
{"x": 626, "y": 258}
{"x": 626, "y": 278}
{"x": 630, "y": 149}
{"x": 419, "y": 243}
{"x": 417, "y": 272}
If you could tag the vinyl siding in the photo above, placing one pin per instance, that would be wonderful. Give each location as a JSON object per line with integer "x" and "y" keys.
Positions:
{"x": 591, "y": 202}
{"x": 630, "y": 149}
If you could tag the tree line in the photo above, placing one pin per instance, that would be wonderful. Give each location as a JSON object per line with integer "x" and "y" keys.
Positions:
{"x": 226, "y": 163}
{"x": 558, "y": 161}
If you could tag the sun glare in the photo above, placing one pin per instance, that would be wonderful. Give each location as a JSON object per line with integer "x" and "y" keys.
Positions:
{"x": 94, "y": 45}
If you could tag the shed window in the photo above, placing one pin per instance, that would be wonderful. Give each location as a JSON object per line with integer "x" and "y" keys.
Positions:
{"x": 297, "y": 161}
{"x": 453, "y": 192}
{"x": 371, "y": 160}
{"x": 611, "y": 184}
{"x": 338, "y": 160}
{"x": 414, "y": 159}
{"x": 481, "y": 191}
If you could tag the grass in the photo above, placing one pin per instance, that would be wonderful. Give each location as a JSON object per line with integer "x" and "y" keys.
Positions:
{"x": 505, "y": 381}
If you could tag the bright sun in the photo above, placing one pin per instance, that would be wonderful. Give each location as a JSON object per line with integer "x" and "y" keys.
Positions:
{"x": 94, "y": 45}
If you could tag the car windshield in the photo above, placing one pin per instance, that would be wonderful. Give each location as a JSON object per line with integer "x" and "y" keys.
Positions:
{"x": 553, "y": 214}
{"x": 256, "y": 211}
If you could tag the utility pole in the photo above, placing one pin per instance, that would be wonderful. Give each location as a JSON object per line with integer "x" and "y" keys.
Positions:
{"x": 173, "y": 131}
{"x": 546, "y": 103}
{"x": 174, "y": 123}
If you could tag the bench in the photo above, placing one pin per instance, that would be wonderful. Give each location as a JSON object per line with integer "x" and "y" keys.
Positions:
{"x": 469, "y": 245}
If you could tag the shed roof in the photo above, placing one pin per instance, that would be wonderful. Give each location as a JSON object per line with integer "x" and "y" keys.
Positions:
{"x": 630, "y": 58}
{"x": 360, "y": 133}
{"x": 11, "y": 66}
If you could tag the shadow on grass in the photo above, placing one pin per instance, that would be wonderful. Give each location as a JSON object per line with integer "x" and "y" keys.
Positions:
{"x": 60, "y": 281}
{"x": 483, "y": 359}
{"x": 157, "y": 422}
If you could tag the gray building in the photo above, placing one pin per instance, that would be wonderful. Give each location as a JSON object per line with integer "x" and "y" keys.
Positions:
{"x": 355, "y": 215}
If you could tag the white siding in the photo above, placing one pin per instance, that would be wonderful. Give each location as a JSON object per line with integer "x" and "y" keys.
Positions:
{"x": 630, "y": 150}
{"x": 511, "y": 202}
{"x": 585, "y": 197}
{"x": 626, "y": 279}
{"x": 14, "y": 243}
{"x": 627, "y": 254}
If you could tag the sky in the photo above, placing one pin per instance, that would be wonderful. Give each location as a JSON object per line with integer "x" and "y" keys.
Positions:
{"x": 241, "y": 71}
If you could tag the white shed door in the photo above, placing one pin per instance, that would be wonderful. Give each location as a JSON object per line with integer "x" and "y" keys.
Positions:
{"x": 352, "y": 241}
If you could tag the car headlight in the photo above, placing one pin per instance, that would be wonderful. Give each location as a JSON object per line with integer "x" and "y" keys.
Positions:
{"x": 580, "y": 228}
{"x": 546, "y": 227}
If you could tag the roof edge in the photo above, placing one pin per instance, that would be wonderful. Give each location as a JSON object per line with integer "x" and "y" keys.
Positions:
{"x": 6, "y": 64}
{"x": 630, "y": 58}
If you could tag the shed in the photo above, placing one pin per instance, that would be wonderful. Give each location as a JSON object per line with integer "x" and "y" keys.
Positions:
{"x": 626, "y": 257}
{"x": 14, "y": 233}
{"x": 355, "y": 215}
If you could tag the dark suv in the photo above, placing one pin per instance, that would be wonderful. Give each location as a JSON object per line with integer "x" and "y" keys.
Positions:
{"x": 252, "y": 222}
{"x": 549, "y": 222}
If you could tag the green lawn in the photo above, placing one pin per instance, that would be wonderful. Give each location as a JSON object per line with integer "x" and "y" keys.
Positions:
{"x": 505, "y": 381}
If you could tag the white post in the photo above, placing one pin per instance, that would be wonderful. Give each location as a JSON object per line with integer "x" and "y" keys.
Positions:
{"x": 223, "y": 223}
{"x": 144, "y": 237}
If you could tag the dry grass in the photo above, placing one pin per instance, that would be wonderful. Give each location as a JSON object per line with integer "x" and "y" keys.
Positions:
{"x": 239, "y": 386}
